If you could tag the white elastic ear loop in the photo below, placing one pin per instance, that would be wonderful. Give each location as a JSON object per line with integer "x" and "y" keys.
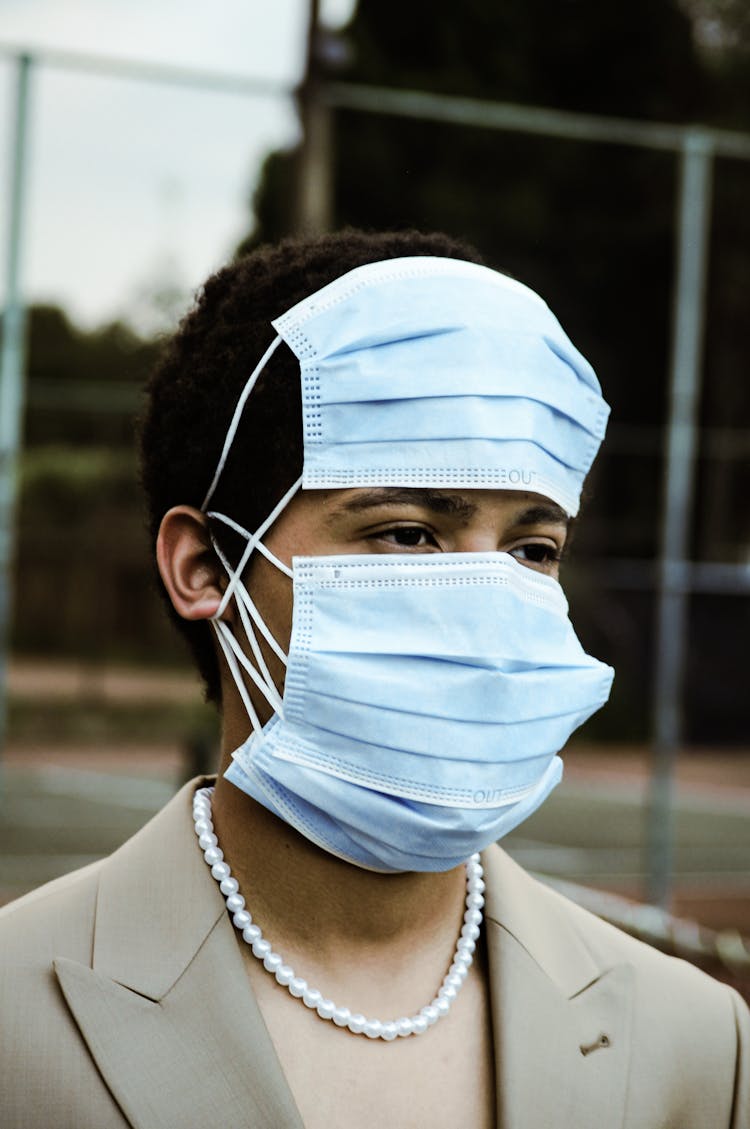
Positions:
{"x": 256, "y": 544}
{"x": 251, "y": 381}
{"x": 253, "y": 541}
{"x": 237, "y": 590}
{"x": 245, "y": 604}
{"x": 221, "y": 630}
{"x": 268, "y": 690}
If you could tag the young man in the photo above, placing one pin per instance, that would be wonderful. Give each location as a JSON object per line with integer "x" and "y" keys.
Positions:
{"x": 359, "y": 512}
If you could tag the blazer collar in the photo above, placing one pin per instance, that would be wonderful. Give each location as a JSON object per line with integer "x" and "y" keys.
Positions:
{"x": 162, "y": 873}
{"x": 562, "y": 1020}
{"x": 166, "y": 1011}
{"x": 175, "y": 1039}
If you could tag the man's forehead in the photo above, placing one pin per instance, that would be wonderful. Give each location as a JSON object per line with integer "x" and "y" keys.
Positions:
{"x": 529, "y": 508}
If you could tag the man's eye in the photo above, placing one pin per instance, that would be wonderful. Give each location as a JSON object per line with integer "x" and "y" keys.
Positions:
{"x": 409, "y": 536}
{"x": 535, "y": 552}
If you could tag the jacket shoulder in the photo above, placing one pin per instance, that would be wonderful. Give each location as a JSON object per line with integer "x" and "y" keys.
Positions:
{"x": 665, "y": 986}
{"x": 689, "y": 1040}
{"x": 46, "y": 1073}
{"x": 54, "y": 920}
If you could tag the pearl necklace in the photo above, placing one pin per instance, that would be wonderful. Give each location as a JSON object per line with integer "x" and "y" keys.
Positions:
{"x": 274, "y": 963}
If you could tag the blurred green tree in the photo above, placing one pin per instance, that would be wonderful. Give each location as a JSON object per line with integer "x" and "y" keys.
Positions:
{"x": 83, "y": 385}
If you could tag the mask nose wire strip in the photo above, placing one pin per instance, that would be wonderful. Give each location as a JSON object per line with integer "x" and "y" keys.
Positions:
{"x": 252, "y": 542}
{"x": 251, "y": 381}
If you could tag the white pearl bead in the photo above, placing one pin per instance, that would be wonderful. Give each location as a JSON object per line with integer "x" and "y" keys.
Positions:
{"x": 298, "y": 987}
{"x": 325, "y": 1009}
{"x": 311, "y": 997}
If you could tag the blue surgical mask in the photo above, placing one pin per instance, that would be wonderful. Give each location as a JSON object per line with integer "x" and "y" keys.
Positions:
{"x": 426, "y": 697}
{"x": 425, "y": 700}
{"x": 434, "y": 372}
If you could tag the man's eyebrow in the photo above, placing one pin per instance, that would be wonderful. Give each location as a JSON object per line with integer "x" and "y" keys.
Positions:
{"x": 443, "y": 503}
{"x": 548, "y": 512}
{"x": 434, "y": 500}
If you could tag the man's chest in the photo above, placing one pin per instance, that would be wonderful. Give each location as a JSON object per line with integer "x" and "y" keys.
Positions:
{"x": 445, "y": 1077}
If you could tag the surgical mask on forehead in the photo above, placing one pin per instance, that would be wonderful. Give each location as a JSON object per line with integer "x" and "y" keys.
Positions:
{"x": 426, "y": 371}
{"x": 426, "y": 697}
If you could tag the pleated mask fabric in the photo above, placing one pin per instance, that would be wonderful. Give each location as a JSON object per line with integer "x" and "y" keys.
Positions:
{"x": 436, "y": 372}
{"x": 426, "y": 698}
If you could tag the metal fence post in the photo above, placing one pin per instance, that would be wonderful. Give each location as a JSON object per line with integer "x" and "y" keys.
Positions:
{"x": 679, "y": 478}
{"x": 12, "y": 371}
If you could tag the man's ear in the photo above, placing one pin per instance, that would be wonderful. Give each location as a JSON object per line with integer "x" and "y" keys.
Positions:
{"x": 189, "y": 567}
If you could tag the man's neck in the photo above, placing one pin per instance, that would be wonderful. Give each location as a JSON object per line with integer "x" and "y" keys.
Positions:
{"x": 301, "y": 895}
{"x": 378, "y": 943}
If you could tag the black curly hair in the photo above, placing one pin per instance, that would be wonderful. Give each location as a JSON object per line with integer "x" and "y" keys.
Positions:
{"x": 194, "y": 389}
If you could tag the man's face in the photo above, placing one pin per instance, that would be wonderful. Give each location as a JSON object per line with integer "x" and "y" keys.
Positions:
{"x": 529, "y": 527}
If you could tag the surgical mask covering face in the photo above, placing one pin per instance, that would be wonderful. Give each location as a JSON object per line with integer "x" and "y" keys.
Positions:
{"x": 424, "y": 703}
{"x": 426, "y": 696}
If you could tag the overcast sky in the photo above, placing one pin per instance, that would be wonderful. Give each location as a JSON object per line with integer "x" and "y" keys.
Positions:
{"x": 135, "y": 186}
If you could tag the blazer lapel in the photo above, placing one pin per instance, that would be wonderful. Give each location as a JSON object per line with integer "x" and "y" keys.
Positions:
{"x": 561, "y": 1023}
{"x": 167, "y": 1011}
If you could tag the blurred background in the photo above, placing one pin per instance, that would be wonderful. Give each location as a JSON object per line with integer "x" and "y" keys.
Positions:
{"x": 601, "y": 154}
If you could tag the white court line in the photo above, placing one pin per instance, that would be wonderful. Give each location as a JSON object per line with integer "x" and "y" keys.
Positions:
{"x": 708, "y": 801}
{"x": 619, "y": 863}
{"x": 105, "y": 788}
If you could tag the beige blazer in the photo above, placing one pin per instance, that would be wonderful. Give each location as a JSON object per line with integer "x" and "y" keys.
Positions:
{"x": 124, "y": 1002}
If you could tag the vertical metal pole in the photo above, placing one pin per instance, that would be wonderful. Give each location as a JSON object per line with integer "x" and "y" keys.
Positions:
{"x": 673, "y": 587}
{"x": 313, "y": 190}
{"x": 12, "y": 372}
